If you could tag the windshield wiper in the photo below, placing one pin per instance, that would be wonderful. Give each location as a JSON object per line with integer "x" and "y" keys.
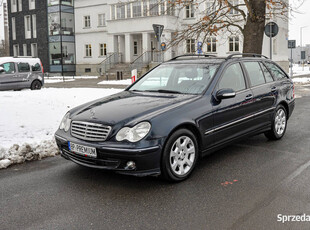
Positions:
{"x": 165, "y": 91}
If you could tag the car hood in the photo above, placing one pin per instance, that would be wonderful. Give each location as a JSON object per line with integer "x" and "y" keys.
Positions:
{"x": 129, "y": 107}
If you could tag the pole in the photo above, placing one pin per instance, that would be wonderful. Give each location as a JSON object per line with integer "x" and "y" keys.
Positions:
{"x": 291, "y": 62}
{"x": 159, "y": 42}
{"x": 270, "y": 36}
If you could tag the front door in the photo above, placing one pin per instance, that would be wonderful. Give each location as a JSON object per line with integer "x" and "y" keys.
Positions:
{"x": 231, "y": 115}
{"x": 8, "y": 78}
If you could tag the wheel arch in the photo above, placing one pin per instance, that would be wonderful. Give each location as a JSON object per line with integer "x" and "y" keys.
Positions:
{"x": 285, "y": 105}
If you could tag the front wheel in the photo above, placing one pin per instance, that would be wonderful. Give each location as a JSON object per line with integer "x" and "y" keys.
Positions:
{"x": 179, "y": 156}
{"x": 279, "y": 124}
{"x": 36, "y": 85}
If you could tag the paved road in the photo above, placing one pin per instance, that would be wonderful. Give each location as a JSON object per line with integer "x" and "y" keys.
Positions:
{"x": 268, "y": 178}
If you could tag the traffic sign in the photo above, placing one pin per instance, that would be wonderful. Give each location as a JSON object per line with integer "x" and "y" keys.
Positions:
{"x": 291, "y": 44}
{"x": 158, "y": 29}
{"x": 271, "y": 29}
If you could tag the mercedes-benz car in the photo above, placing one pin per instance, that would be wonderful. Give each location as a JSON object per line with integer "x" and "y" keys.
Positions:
{"x": 177, "y": 113}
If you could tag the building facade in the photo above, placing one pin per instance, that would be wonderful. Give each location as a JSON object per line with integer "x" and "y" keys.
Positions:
{"x": 44, "y": 29}
{"x": 296, "y": 54}
{"x": 125, "y": 27}
{"x": 4, "y": 29}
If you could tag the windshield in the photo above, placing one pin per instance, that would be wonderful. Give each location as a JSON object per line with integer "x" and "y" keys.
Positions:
{"x": 177, "y": 78}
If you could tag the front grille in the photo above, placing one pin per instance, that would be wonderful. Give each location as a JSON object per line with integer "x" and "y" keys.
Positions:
{"x": 90, "y": 131}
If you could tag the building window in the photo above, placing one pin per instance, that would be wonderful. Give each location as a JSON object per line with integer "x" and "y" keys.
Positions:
{"x": 190, "y": 11}
{"x": 27, "y": 26}
{"x": 67, "y": 24}
{"x": 136, "y": 9}
{"x": 210, "y": 7}
{"x": 13, "y": 29}
{"x": 88, "y": 52}
{"x": 67, "y": 2}
{"x": 103, "y": 49}
{"x": 211, "y": 45}
{"x": 101, "y": 20}
{"x": 16, "y": 50}
{"x": 20, "y": 5}
{"x": 145, "y": 9}
{"x": 25, "y": 51}
{"x": 234, "y": 44}
{"x": 34, "y": 26}
{"x": 32, "y": 4}
{"x": 154, "y": 8}
{"x": 87, "y": 21}
{"x": 235, "y": 4}
{"x": 120, "y": 10}
{"x": 170, "y": 8}
{"x": 135, "y": 48}
{"x": 112, "y": 12}
{"x": 190, "y": 46}
{"x": 68, "y": 53}
{"x": 34, "y": 50}
{"x": 87, "y": 70}
{"x": 14, "y": 6}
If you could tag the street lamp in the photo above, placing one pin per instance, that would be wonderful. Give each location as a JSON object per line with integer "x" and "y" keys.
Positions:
{"x": 301, "y": 44}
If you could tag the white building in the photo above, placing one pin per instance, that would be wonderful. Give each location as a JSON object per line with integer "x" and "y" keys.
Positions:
{"x": 110, "y": 27}
{"x": 3, "y": 22}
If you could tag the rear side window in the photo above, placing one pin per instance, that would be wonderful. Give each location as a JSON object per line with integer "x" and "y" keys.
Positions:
{"x": 36, "y": 67}
{"x": 9, "y": 68}
{"x": 255, "y": 73}
{"x": 276, "y": 71}
{"x": 23, "y": 67}
{"x": 233, "y": 78}
{"x": 267, "y": 74}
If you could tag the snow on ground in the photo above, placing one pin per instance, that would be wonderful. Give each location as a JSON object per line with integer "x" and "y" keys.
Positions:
{"x": 29, "y": 119}
{"x": 302, "y": 80}
{"x": 298, "y": 70}
{"x": 116, "y": 82}
{"x": 49, "y": 81}
{"x": 59, "y": 79}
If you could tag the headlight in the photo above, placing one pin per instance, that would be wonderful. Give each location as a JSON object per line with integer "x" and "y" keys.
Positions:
{"x": 135, "y": 133}
{"x": 65, "y": 123}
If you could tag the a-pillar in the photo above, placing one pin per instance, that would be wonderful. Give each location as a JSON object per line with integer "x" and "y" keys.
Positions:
{"x": 128, "y": 48}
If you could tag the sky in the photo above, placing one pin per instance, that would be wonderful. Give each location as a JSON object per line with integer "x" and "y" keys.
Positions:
{"x": 298, "y": 20}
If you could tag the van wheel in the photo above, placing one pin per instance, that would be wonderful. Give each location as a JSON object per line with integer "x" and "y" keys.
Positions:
{"x": 278, "y": 125}
{"x": 179, "y": 156}
{"x": 36, "y": 85}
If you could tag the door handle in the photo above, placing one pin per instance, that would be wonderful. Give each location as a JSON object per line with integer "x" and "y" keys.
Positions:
{"x": 249, "y": 97}
{"x": 273, "y": 89}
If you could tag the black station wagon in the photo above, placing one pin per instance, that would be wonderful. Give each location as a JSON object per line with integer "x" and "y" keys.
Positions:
{"x": 178, "y": 112}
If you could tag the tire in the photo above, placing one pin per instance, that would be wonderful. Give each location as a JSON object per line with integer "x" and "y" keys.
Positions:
{"x": 179, "y": 160}
{"x": 278, "y": 124}
{"x": 36, "y": 85}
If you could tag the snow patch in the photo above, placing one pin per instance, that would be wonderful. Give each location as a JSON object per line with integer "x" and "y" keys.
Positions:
{"x": 302, "y": 80}
{"x": 117, "y": 82}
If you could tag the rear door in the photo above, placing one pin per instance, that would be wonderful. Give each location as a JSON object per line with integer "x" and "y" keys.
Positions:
{"x": 231, "y": 116}
{"x": 263, "y": 88}
{"x": 23, "y": 75}
{"x": 8, "y": 77}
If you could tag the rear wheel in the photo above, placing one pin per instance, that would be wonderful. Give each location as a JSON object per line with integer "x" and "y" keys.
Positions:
{"x": 36, "y": 85}
{"x": 279, "y": 124}
{"x": 179, "y": 156}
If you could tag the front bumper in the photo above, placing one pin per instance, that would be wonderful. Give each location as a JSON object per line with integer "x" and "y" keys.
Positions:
{"x": 147, "y": 160}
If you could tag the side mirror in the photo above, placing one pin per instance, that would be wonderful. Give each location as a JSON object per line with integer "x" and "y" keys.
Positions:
{"x": 225, "y": 93}
{"x": 1, "y": 69}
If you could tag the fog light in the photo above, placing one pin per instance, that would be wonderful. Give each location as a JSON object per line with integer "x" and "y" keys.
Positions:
{"x": 130, "y": 165}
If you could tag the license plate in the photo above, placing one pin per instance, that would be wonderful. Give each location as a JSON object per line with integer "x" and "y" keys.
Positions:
{"x": 82, "y": 150}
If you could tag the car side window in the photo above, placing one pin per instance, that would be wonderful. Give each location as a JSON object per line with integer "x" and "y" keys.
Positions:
{"x": 9, "y": 68}
{"x": 255, "y": 73}
{"x": 233, "y": 78}
{"x": 276, "y": 71}
{"x": 267, "y": 74}
{"x": 36, "y": 67}
{"x": 23, "y": 67}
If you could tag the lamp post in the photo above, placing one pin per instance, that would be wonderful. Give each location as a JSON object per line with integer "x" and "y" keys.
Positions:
{"x": 301, "y": 49}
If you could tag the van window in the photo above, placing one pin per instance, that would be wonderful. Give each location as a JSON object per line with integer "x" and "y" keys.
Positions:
{"x": 9, "y": 68}
{"x": 276, "y": 71}
{"x": 233, "y": 78}
{"x": 23, "y": 67}
{"x": 36, "y": 67}
{"x": 255, "y": 73}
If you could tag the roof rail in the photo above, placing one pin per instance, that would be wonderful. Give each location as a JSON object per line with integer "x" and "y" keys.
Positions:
{"x": 246, "y": 54}
{"x": 193, "y": 55}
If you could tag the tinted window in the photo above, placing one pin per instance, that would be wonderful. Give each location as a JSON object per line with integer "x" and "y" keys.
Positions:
{"x": 233, "y": 78}
{"x": 9, "y": 68}
{"x": 255, "y": 73}
{"x": 23, "y": 67}
{"x": 276, "y": 71}
{"x": 36, "y": 67}
{"x": 267, "y": 74}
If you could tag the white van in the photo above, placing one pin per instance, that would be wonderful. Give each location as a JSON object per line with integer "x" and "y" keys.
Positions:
{"x": 18, "y": 73}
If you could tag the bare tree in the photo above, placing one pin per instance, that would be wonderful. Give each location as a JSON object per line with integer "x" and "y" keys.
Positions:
{"x": 245, "y": 17}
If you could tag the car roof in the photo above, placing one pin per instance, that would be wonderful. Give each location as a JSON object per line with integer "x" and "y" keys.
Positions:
{"x": 29, "y": 60}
